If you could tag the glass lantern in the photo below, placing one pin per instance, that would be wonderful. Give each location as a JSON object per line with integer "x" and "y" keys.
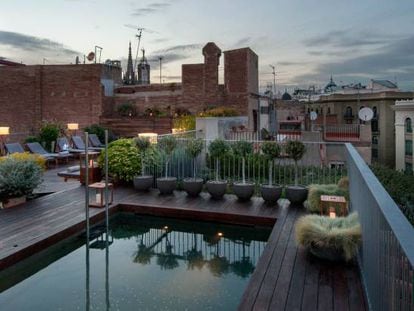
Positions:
{"x": 94, "y": 170}
{"x": 97, "y": 194}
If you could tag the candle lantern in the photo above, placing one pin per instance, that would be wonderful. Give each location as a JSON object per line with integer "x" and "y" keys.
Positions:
{"x": 97, "y": 194}
{"x": 332, "y": 212}
{"x": 94, "y": 170}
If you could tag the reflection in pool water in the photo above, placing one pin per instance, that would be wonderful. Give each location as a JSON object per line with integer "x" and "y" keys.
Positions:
{"x": 142, "y": 264}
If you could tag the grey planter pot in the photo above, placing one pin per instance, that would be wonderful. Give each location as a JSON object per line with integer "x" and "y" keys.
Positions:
{"x": 271, "y": 193}
{"x": 143, "y": 183}
{"x": 193, "y": 186}
{"x": 166, "y": 185}
{"x": 217, "y": 189}
{"x": 296, "y": 194}
{"x": 243, "y": 191}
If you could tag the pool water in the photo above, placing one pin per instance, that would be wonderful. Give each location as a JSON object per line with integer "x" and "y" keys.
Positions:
{"x": 150, "y": 264}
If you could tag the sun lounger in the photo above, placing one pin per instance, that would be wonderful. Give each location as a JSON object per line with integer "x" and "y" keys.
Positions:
{"x": 38, "y": 149}
{"x": 63, "y": 145}
{"x": 95, "y": 142}
{"x": 72, "y": 172}
{"x": 14, "y": 148}
{"x": 78, "y": 143}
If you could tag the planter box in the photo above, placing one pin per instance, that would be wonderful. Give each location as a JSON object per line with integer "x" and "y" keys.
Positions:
{"x": 8, "y": 203}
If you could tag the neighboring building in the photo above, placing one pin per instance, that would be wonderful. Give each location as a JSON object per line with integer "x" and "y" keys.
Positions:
{"x": 404, "y": 136}
{"x": 129, "y": 76}
{"x": 200, "y": 88}
{"x": 343, "y": 109}
{"x": 290, "y": 116}
{"x": 144, "y": 70}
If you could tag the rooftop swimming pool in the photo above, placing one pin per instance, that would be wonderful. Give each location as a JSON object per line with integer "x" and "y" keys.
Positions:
{"x": 143, "y": 263}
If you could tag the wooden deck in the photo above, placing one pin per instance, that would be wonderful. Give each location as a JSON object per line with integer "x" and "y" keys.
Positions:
{"x": 286, "y": 278}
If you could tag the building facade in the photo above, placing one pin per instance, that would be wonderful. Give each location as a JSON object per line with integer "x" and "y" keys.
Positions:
{"x": 404, "y": 136}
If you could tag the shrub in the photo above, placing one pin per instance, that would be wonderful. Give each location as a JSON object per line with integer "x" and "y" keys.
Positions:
{"x": 124, "y": 161}
{"x": 49, "y": 133}
{"x": 32, "y": 139}
{"x": 271, "y": 150}
{"x": 315, "y": 192}
{"x": 143, "y": 144}
{"x": 18, "y": 177}
{"x": 295, "y": 150}
{"x": 324, "y": 235}
{"x": 98, "y": 130}
{"x": 343, "y": 183}
{"x": 194, "y": 148}
{"x": 167, "y": 145}
{"x": 126, "y": 110}
{"x": 186, "y": 122}
{"x": 243, "y": 149}
{"x": 218, "y": 148}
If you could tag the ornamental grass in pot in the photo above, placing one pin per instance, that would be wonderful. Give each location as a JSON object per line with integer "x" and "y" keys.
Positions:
{"x": 296, "y": 193}
{"x": 194, "y": 185}
{"x": 243, "y": 189}
{"x": 217, "y": 188}
{"x": 167, "y": 184}
{"x": 143, "y": 182}
{"x": 270, "y": 192}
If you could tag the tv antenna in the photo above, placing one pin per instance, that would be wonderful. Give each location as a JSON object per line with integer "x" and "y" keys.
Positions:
{"x": 274, "y": 78}
{"x": 138, "y": 36}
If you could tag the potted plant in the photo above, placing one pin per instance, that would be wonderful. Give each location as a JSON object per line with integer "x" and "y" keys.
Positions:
{"x": 167, "y": 184}
{"x": 270, "y": 193}
{"x": 217, "y": 188}
{"x": 296, "y": 193}
{"x": 143, "y": 182}
{"x": 18, "y": 178}
{"x": 243, "y": 190}
{"x": 194, "y": 185}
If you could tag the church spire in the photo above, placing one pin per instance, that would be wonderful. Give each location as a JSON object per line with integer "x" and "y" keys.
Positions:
{"x": 130, "y": 74}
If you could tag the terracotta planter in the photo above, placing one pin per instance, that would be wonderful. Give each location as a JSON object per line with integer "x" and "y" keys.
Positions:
{"x": 8, "y": 203}
{"x": 193, "y": 186}
{"x": 296, "y": 194}
{"x": 217, "y": 189}
{"x": 271, "y": 193}
{"x": 166, "y": 185}
{"x": 143, "y": 183}
{"x": 244, "y": 191}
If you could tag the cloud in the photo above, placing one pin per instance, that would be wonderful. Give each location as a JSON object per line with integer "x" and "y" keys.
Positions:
{"x": 183, "y": 48}
{"x": 151, "y": 8}
{"x": 394, "y": 58}
{"x": 29, "y": 43}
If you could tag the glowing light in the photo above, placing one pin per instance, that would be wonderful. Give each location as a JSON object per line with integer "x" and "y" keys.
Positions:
{"x": 165, "y": 227}
{"x": 4, "y": 130}
{"x": 332, "y": 213}
{"x": 73, "y": 126}
{"x": 152, "y": 137}
{"x": 220, "y": 234}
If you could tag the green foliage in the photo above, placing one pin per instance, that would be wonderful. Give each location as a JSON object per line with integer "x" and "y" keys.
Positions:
{"x": 167, "y": 144}
{"x": 126, "y": 110}
{"x": 49, "y": 132}
{"x": 270, "y": 149}
{"x": 124, "y": 160}
{"x": 185, "y": 122}
{"x": 242, "y": 148}
{"x": 341, "y": 234}
{"x": 315, "y": 192}
{"x": 194, "y": 147}
{"x": 218, "y": 148}
{"x": 142, "y": 143}
{"x": 295, "y": 149}
{"x": 19, "y": 177}
{"x": 98, "y": 130}
{"x": 400, "y": 186}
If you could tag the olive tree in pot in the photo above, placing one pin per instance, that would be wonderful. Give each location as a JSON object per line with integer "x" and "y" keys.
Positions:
{"x": 296, "y": 194}
{"x": 143, "y": 182}
{"x": 194, "y": 185}
{"x": 217, "y": 188}
{"x": 244, "y": 190}
{"x": 167, "y": 184}
{"x": 271, "y": 193}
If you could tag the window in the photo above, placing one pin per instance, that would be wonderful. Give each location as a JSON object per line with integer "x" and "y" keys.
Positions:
{"x": 329, "y": 110}
{"x": 374, "y": 153}
{"x": 337, "y": 165}
{"x": 374, "y": 125}
{"x": 408, "y": 168}
{"x": 374, "y": 110}
{"x": 408, "y": 125}
{"x": 408, "y": 147}
{"x": 375, "y": 140}
{"x": 348, "y": 111}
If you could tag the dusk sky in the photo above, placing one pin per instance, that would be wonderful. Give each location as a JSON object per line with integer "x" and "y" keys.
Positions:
{"x": 307, "y": 41}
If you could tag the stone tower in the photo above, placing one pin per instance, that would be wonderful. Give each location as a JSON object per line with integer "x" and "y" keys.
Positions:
{"x": 211, "y": 53}
{"x": 129, "y": 77}
{"x": 143, "y": 70}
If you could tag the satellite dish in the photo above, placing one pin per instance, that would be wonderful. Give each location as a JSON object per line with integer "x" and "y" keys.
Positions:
{"x": 91, "y": 56}
{"x": 365, "y": 114}
{"x": 313, "y": 115}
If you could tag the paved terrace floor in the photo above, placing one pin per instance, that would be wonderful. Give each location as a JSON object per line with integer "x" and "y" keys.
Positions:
{"x": 286, "y": 277}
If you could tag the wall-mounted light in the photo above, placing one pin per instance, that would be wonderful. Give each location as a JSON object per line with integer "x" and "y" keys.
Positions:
{"x": 4, "y": 131}
{"x": 73, "y": 126}
{"x": 152, "y": 137}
